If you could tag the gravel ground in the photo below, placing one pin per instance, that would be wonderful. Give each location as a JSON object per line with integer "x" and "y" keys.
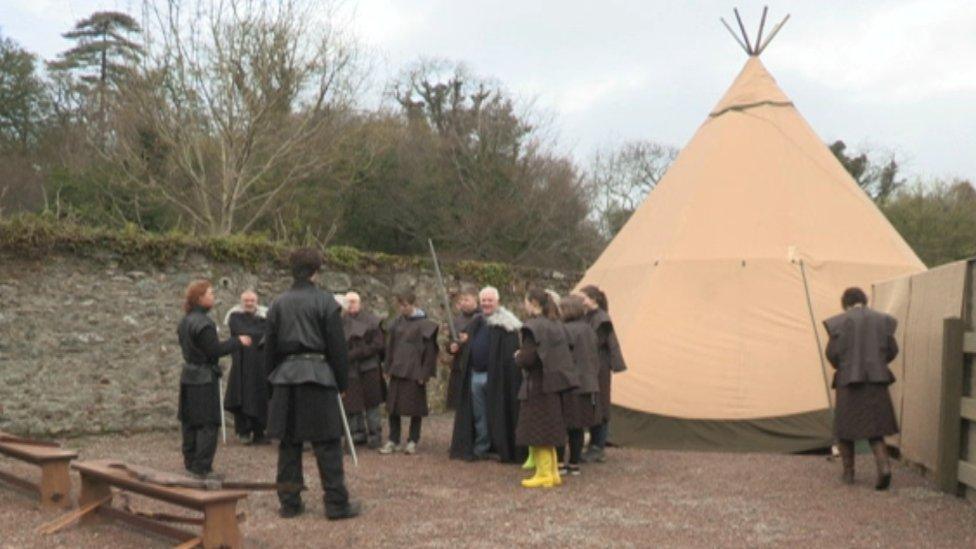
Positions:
{"x": 636, "y": 499}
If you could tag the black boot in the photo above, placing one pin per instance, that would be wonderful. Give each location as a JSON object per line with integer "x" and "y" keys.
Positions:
{"x": 846, "y": 448}
{"x": 352, "y": 509}
{"x": 880, "y": 450}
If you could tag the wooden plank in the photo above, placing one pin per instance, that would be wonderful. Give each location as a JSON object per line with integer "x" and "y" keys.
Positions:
{"x": 967, "y": 408}
{"x": 947, "y": 462}
{"x": 969, "y": 343}
{"x": 23, "y": 484}
{"x": 156, "y": 527}
{"x": 220, "y": 527}
{"x": 186, "y": 497}
{"x": 35, "y": 454}
{"x": 65, "y": 521}
{"x": 195, "y": 542}
{"x": 55, "y": 485}
{"x": 967, "y": 473}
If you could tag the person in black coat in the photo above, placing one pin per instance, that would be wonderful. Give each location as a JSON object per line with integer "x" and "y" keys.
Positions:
{"x": 467, "y": 306}
{"x": 366, "y": 343}
{"x": 306, "y": 354}
{"x": 199, "y": 408}
{"x": 247, "y": 383}
{"x": 488, "y": 405}
{"x": 861, "y": 345}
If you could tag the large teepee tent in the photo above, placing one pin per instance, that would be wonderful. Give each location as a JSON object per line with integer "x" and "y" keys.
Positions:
{"x": 720, "y": 280}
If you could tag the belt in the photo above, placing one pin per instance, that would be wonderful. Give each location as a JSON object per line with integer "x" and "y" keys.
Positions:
{"x": 305, "y": 356}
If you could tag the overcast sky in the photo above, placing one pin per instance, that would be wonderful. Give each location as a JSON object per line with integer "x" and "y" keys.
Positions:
{"x": 894, "y": 75}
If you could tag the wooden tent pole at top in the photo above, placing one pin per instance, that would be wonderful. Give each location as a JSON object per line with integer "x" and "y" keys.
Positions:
{"x": 742, "y": 38}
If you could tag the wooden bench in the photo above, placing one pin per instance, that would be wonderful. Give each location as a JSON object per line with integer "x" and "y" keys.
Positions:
{"x": 219, "y": 507}
{"x": 55, "y": 485}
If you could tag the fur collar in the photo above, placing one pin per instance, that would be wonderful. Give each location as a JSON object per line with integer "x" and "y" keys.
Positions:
{"x": 503, "y": 318}
{"x": 262, "y": 312}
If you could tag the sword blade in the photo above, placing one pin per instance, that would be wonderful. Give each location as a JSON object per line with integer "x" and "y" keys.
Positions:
{"x": 345, "y": 427}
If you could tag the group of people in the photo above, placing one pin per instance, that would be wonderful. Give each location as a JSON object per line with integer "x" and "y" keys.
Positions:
{"x": 520, "y": 390}
{"x": 523, "y": 390}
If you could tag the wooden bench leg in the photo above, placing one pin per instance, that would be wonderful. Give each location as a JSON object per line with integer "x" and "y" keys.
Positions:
{"x": 220, "y": 527}
{"x": 93, "y": 490}
{"x": 55, "y": 485}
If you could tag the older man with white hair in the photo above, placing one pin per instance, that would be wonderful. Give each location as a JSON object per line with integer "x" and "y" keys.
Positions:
{"x": 247, "y": 384}
{"x": 366, "y": 390}
{"x": 487, "y": 411}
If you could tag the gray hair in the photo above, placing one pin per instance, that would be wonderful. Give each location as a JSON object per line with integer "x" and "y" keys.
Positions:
{"x": 489, "y": 290}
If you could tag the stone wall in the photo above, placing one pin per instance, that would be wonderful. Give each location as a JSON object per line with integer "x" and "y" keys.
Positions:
{"x": 88, "y": 340}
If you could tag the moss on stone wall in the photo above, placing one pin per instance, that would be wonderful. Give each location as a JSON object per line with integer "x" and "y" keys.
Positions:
{"x": 35, "y": 235}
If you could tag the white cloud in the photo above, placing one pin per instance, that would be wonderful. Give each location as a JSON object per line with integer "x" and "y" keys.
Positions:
{"x": 584, "y": 95}
{"x": 386, "y": 21}
{"x": 909, "y": 52}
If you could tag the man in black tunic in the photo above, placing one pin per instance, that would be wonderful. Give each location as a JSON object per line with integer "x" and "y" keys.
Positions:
{"x": 247, "y": 383}
{"x": 306, "y": 355}
{"x": 488, "y": 405}
{"x": 199, "y": 409}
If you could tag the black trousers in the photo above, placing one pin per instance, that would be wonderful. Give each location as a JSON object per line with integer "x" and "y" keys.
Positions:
{"x": 415, "y": 423}
{"x": 245, "y": 425}
{"x": 328, "y": 457}
{"x": 575, "y": 447}
{"x": 199, "y": 447}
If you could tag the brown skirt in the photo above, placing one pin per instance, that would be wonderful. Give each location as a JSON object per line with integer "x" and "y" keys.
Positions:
{"x": 367, "y": 390}
{"x": 579, "y": 411}
{"x": 864, "y": 411}
{"x": 540, "y": 420}
{"x": 406, "y": 397}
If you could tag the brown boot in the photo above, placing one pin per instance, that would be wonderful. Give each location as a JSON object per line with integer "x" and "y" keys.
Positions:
{"x": 846, "y": 448}
{"x": 880, "y": 450}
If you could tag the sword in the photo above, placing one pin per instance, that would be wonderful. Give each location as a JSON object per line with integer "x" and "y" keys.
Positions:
{"x": 445, "y": 302}
{"x": 223, "y": 416}
{"x": 345, "y": 427}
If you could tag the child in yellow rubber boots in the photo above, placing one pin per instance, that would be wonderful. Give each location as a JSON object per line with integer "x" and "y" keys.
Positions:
{"x": 549, "y": 371}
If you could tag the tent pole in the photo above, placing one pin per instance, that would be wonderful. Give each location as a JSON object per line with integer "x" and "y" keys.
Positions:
{"x": 737, "y": 39}
{"x": 745, "y": 36}
{"x": 816, "y": 334}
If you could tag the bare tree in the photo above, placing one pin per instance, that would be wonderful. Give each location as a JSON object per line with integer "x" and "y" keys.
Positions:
{"x": 235, "y": 103}
{"x": 621, "y": 177}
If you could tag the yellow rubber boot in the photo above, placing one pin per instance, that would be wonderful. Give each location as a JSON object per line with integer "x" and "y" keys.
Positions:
{"x": 556, "y": 479}
{"x": 544, "y": 463}
{"x": 529, "y": 461}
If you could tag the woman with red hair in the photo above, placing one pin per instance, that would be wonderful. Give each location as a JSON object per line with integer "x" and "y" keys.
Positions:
{"x": 199, "y": 410}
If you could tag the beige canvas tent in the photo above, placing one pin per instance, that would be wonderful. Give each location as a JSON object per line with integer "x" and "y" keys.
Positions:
{"x": 719, "y": 282}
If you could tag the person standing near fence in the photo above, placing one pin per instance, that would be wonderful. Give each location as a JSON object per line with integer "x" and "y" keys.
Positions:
{"x": 861, "y": 345}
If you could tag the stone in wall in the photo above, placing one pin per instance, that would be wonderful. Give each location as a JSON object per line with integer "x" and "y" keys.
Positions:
{"x": 88, "y": 344}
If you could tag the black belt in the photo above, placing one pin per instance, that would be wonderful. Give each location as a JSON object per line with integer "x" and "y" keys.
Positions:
{"x": 306, "y": 356}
